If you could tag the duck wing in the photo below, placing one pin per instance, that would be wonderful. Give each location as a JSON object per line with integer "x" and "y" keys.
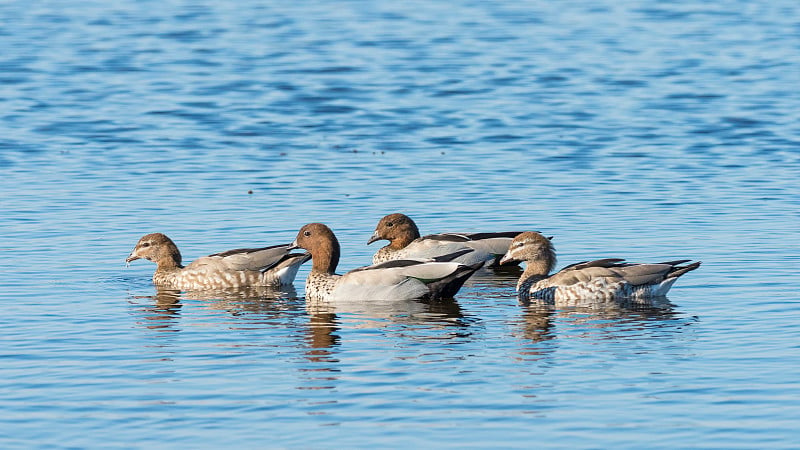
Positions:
{"x": 607, "y": 262}
{"x": 254, "y": 259}
{"x": 404, "y": 279}
{"x": 472, "y": 236}
{"x": 612, "y": 269}
{"x": 485, "y": 245}
{"x": 427, "y": 249}
{"x": 392, "y": 272}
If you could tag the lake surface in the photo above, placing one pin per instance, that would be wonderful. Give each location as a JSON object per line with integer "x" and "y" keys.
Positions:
{"x": 647, "y": 131}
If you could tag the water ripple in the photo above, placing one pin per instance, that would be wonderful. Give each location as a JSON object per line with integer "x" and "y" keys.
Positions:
{"x": 645, "y": 132}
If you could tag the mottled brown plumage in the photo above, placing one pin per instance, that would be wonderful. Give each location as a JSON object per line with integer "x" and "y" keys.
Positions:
{"x": 266, "y": 266}
{"x": 603, "y": 279}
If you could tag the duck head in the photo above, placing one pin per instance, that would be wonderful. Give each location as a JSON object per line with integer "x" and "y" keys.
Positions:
{"x": 396, "y": 228}
{"x": 320, "y": 241}
{"x": 158, "y": 248}
{"x": 534, "y": 249}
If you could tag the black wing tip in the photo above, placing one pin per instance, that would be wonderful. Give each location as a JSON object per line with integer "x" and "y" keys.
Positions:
{"x": 451, "y": 256}
{"x": 605, "y": 262}
{"x": 499, "y": 234}
{"x": 449, "y": 286}
{"x": 447, "y": 237}
{"x": 465, "y": 237}
{"x": 305, "y": 256}
{"x": 389, "y": 264}
{"x": 676, "y": 262}
{"x": 681, "y": 270}
{"x": 476, "y": 266}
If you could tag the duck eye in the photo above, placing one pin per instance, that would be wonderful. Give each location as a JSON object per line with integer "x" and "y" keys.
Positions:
{"x": 145, "y": 244}
{"x": 306, "y": 233}
{"x": 389, "y": 224}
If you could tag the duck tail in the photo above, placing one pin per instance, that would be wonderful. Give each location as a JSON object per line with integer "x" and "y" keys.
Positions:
{"x": 286, "y": 269}
{"x": 448, "y": 286}
{"x": 678, "y": 270}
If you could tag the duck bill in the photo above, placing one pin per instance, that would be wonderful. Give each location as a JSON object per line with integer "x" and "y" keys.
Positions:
{"x": 293, "y": 246}
{"x": 375, "y": 237}
{"x": 130, "y": 258}
{"x": 507, "y": 258}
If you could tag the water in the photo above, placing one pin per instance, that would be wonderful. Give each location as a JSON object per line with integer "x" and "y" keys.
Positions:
{"x": 627, "y": 129}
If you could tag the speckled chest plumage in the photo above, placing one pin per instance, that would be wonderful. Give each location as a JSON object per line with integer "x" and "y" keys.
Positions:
{"x": 320, "y": 285}
{"x": 385, "y": 254}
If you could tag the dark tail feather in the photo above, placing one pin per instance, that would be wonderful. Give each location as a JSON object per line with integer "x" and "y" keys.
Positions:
{"x": 680, "y": 270}
{"x": 448, "y": 286}
{"x": 289, "y": 259}
{"x": 302, "y": 256}
{"x": 606, "y": 262}
{"x": 676, "y": 262}
{"x": 502, "y": 234}
{"x": 451, "y": 256}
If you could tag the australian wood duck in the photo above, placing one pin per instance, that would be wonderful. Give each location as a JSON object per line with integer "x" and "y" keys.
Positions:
{"x": 405, "y": 242}
{"x": 267, "y": 266}
{"x": 603, "y": 279}
{"x": 392, "y": 280}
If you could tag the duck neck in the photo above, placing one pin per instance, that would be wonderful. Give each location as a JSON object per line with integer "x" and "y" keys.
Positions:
{"x": 326, "y": 257}
{"x": 535, "y": 271}
{"x": 169, "y": 263}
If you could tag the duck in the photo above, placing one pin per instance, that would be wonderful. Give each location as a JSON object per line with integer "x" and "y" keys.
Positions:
{"x": 607, "y": 279}
{"x": 402, "y": 279}
{"x": 238, "y": 268}
{"x": 406, "y": 242}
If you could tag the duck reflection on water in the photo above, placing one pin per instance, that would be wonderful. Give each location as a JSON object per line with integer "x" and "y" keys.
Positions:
{"x": 433, "y": 316}
{"x": 611, "y": 319}
{"x": 256, "y": 304}
{"x": 412, "y": 320}
{"x": 161, "y": 311}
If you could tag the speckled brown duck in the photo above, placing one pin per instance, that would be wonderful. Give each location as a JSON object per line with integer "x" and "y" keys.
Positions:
{"x": 392, "y": 280}
{"x": 266, "y": 266}
{"x": 603, "y": 279}
{"x": 406, "y": 242}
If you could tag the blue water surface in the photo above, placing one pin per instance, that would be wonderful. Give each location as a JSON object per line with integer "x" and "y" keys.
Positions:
{"x": 645, "y": 130}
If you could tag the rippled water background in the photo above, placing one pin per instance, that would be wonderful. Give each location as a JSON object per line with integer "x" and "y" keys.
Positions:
{"x": 643, "y": 130}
